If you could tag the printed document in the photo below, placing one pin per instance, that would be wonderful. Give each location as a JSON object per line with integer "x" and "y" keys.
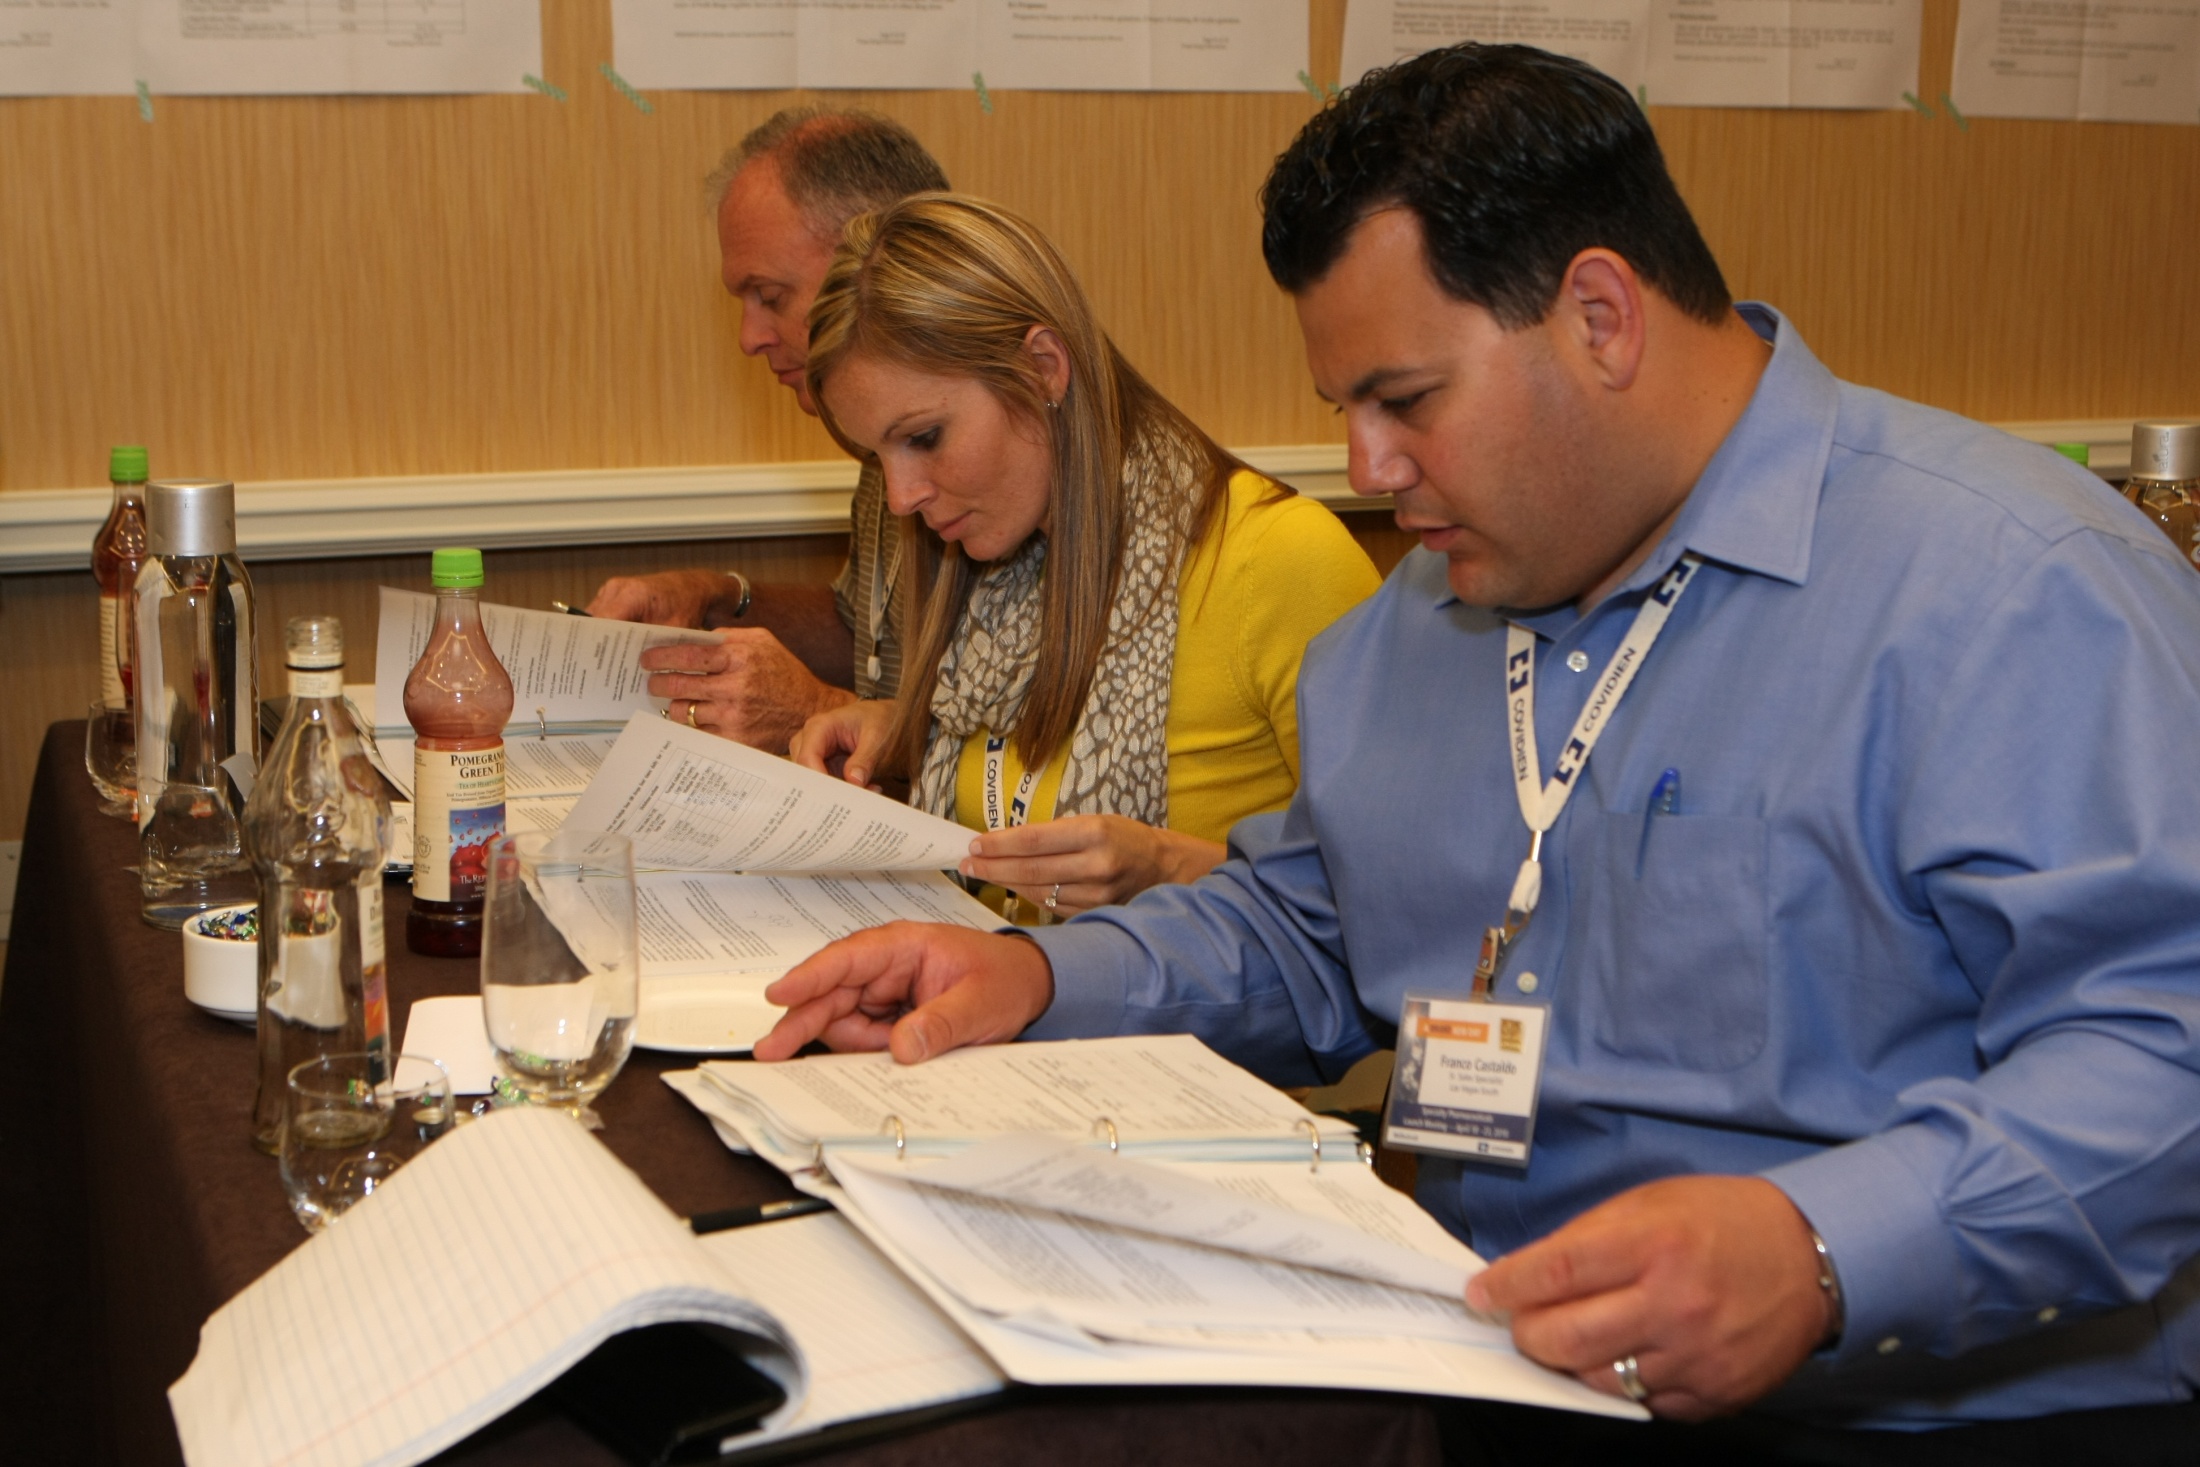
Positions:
{"x": 569, "y": 673}
{"x": 1675, "y": 53}
{"x": 2110, "y": 61}
{"x": 1037, "y": 45}
{"x": 258, "y": 47}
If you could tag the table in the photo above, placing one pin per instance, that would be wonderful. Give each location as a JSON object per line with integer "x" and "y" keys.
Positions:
{"x": 132, "y": 1203}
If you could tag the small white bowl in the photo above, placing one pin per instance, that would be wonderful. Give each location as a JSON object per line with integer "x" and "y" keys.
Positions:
{"x": 221, "y": 974}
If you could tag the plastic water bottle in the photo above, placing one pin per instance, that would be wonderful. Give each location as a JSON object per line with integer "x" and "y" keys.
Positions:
{"x": 318, "y": 830}
{"x": 458, "y": 698}
{"x": 198, "y": 699}
{"x": 118, "y": 554}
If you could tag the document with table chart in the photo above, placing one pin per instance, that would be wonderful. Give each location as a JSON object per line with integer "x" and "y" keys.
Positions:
{"x": 1133, "y": 1211}
{"x": 747, "y": 864}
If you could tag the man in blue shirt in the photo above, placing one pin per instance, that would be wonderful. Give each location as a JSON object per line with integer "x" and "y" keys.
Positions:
{"x": 1867, "y": 936}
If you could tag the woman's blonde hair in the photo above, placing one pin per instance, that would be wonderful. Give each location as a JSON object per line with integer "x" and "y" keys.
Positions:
{"x": 951, "y": 286}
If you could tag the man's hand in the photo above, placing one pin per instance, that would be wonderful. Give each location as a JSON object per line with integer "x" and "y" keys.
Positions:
{"x": 1087, "y": 861}
{"x": 681, "y": 598}
{"x": 748, "y": 687}
{"x": 1711, "y": 1283}
{"x": 914, "y": 988}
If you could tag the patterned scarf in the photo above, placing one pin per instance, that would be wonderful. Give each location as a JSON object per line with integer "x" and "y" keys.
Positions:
{"x": 1118, "y": 761}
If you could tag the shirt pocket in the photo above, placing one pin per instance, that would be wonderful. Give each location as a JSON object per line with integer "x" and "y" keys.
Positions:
{"x": 1674, "y": 941}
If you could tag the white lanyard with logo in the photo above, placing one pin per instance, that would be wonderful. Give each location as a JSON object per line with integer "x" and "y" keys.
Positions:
{"x": 1019, "y": 807}
{"x": 1540, "y": 802}
{"x": 1469, "y": 1071}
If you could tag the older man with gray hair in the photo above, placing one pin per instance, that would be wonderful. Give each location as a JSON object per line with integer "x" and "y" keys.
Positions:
{"x": 782, "y": 197}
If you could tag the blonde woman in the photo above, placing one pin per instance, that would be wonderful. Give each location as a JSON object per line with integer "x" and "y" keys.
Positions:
{"x": 1109, "y": 610}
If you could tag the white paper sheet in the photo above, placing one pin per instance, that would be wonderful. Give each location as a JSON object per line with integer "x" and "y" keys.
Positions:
{"x": 1340, "y": 1217}
{"x": 1167, "y": 1096}
{"x": 571, "y": 673}
{"x": 75, "y": 49}
{"x": 1053, "y": 1273}
{"x": 1678, "y": 53}
{"x": 713, "y": 941}
{"x": 691, "y": 801}
{"x": 2107, "y": 61}
{"x": 313, "y": 46}
{"x": 1060, "y": 45}
{"x": 449, "y": 1029}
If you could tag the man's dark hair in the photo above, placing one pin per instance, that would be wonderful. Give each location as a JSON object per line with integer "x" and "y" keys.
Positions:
{"x": 834, "y": 163}
{"x": 1513, "y": 159}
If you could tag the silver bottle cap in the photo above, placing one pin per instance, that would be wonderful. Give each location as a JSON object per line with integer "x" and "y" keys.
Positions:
{"x": 313, "y": 641}
{"x": 191, "y": 517}
{"x": 2165, "y": 451}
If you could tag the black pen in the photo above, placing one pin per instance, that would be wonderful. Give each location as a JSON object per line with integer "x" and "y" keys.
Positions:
{"x": 568, "y": 610}
{"x": 742, "y": 1217}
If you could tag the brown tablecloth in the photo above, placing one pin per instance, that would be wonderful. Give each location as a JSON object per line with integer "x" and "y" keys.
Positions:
{"x": 132, "y": 1203}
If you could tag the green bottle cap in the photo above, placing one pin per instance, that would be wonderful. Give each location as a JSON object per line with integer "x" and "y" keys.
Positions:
{"x": 126, "y": 464}
{"x": 2077, "y": 453}
{"x": 453, "y": 567}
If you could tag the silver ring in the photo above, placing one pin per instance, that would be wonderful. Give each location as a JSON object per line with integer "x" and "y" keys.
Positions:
{"x": 1630, "y": 1380}
{"x": 1053, "y": 898}
{"x": 691, "y": 716}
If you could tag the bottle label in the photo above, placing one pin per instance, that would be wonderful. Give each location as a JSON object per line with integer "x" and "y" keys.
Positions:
{"x": 316, "y": 682}
{"x": 374, "y": 976}
{"x": 458, "y": 809}
{"x": 114, "y": 635}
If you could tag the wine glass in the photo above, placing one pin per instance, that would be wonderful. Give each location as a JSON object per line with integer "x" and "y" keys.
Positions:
{"x": 110, "y": 757}
{"x": 560, "y": 966}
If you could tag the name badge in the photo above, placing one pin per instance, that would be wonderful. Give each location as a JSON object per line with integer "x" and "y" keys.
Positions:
{"x": 1468, "y": 1078}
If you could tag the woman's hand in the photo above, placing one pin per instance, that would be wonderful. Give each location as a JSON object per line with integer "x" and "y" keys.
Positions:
{"x": 854, "y": 732}
{"x": 1086, "y": 861}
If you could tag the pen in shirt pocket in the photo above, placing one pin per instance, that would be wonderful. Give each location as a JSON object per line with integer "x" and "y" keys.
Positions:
{"x": 1665, "y": 797}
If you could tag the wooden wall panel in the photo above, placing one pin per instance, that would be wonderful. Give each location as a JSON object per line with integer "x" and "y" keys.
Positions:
{"x": 325, "y": 287}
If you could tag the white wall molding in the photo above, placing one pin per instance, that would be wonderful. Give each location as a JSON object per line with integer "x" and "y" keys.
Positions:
{"x": 52, "y": 529}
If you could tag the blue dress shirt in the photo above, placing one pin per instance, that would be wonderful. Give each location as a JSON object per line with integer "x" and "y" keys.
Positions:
{"x": 1919, "y": 943}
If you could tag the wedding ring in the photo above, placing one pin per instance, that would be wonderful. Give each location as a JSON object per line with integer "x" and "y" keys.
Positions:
{"x": 1054, "y": 897}
{"x": 691, "y": 716}
{"x": 1630, "y": 1380}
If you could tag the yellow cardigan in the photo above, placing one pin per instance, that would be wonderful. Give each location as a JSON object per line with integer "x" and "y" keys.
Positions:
{"x": 1268, "y": 576}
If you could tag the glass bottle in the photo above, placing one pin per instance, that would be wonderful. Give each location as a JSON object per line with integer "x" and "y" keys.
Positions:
{"x": 197, "y": 684}
{"x": 318, "y": 829}
{"x": 118, "y": 553}
{"x": 2165, "y": 481}
{"x": 458, "y": 698}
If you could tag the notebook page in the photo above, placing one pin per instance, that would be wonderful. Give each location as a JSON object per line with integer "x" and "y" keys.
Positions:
{"x": 1164, "y": 1094}
{"x": 873, "y": 1342}
{"x": 478, "y": 1274}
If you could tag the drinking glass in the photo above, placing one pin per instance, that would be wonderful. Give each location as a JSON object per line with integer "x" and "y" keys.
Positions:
{"x": 345, "y": 1134}
{"x": 560, "y": 965}
{"x": 110, "y": 757}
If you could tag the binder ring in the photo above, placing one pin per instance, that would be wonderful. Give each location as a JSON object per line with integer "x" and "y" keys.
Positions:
{"x": 901, "y": 1137}
{"x": 1114, "y": 1142}
{"x": 542, "y": 722}
{"x": 1367, "y": 1154}
{"x": 1313, "y": 1135}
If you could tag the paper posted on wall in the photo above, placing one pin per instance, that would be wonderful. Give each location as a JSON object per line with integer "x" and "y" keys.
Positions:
{"x": 249, "y": 47}
{"x": 1038, "y": 45}
{"x": 1701, "y": 53}
{"x": 2107, "y": 61}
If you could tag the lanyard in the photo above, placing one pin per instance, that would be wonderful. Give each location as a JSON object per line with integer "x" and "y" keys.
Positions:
{"x": 1540, "y": 802}
{"x": 1019, "y": 808}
